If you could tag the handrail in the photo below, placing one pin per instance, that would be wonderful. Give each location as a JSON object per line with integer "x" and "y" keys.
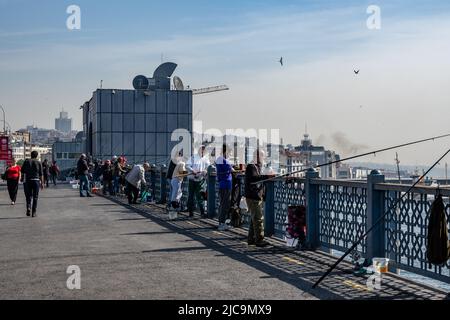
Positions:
{"x": 404, "y": 188}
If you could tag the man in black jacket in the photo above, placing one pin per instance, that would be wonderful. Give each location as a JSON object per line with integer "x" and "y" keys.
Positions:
{"x": 83, "y": 173}
{"x": 254, "y": 195}
{"x": 32, "y": 175}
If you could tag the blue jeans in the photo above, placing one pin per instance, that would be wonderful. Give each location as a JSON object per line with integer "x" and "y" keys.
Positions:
{"x": 84, "y": 184}
{"x": 116, "y": 185}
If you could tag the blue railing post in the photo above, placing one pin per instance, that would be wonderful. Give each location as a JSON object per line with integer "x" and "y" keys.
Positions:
{"x": 312, "y": 209}
{"x": 269, "y": 209}
{"x": 163, "y": 184}
{"x": 211, "y": 202}
{"x": 375, "y": 209}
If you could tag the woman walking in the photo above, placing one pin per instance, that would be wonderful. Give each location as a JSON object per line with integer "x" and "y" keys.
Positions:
{"x": 12, "y": 180}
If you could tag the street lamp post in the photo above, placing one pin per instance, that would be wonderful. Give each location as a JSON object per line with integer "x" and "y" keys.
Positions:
{"x": 4, "y": 119}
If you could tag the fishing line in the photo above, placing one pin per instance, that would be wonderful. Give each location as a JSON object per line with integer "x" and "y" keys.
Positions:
{"x": 355, "y": 244}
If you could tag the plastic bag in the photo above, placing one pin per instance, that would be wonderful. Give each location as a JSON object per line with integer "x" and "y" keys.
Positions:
{"x": 243, "y": 205}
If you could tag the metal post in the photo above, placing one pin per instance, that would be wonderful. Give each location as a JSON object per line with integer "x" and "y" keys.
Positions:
{"x": 211, "y": 202}
{"x": 163, "y": 184}
{"x": 375, "y": 209}
{"x": 312, "y": 209}
{"x": 4, "y": 119}
{"x": 269, "y": 209}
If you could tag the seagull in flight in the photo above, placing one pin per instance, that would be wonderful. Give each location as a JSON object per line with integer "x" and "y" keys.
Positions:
{"x": 281, "y": 61}
{"x": 356, "y": 71}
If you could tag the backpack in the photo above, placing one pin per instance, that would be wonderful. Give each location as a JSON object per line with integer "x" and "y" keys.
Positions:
{"x": 53, "y": 169}
{"x": 438, "y": 249}
{"x": 296, "y": 226}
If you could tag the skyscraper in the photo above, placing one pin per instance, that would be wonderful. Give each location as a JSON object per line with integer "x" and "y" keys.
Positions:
{"x": 63, "y": 123}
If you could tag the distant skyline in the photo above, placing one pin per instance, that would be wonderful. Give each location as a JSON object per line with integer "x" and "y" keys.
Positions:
{"x": 401, "y": 93}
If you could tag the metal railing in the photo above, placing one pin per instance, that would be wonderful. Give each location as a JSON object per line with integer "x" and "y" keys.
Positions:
{"x": 339, "y": 211}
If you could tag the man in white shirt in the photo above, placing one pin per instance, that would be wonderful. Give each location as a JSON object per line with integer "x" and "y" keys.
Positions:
{"x": 135, "y": 179}
{"x": 176, "y": 183}
{"x": 197, "y": 167}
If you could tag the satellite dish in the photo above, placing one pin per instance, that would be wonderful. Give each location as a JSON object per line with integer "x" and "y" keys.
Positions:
{"x": 141, "y": 83}
{"x": 178, "y": 84}
{"x": 165, "y": 70}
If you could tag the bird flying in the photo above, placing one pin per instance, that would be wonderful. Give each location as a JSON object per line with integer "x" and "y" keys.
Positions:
{"x": 281, "y": 61}
{"x": 356, "y": 71}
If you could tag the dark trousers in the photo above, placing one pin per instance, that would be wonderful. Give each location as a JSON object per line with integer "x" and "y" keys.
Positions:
{"x": 108, "y": 187}
{"x": 13, "y": 187}
{"x": 133, "y": 193}
{"x": 46, "y": 180}
{"x": 32, "y": 194}
{"x": 54, "y": 179}
{"x": 196, "y": 195}
{"x": 225, "y": 205}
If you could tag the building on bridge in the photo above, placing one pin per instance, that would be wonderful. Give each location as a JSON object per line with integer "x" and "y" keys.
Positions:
{"x": 137, "y": 123}
{"x": 66, "y": 154}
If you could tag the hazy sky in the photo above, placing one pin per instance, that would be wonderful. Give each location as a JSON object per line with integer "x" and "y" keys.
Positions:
{"x": 402, "y": 92}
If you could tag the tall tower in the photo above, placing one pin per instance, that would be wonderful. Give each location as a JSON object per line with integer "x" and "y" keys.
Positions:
{"x": 63, "y": 123}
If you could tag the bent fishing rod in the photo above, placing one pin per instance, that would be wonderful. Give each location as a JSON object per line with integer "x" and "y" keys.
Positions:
{"x": 355, "y": 157}
{"x": 375, "y": 224}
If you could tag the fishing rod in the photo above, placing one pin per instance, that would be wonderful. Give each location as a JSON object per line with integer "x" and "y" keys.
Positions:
{"x": 355, "y": 157}
{"x": 355, "y": 244}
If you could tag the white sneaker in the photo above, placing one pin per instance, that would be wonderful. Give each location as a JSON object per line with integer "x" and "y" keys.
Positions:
{"x": 222, "y": 227}
{"x": 13, "y": 203}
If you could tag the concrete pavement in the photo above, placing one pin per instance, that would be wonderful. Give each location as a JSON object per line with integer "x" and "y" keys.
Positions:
{"x": 134, "y": 252}
{"x": 121, "y": 255}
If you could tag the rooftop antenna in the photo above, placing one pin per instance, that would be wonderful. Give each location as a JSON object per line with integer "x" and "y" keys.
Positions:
{"x": 101, "y": 84}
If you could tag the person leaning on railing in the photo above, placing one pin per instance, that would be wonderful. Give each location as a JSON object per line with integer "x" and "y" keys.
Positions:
{"x": 254, "y": 195}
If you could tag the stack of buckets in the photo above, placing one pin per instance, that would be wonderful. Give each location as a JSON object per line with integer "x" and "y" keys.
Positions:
{"x": 380, "y": 265}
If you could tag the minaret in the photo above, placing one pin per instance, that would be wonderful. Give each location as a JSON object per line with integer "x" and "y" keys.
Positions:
{"x": 306, "y": 142}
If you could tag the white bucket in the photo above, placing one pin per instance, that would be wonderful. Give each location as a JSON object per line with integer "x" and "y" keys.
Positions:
{"x": 380, "y": 265}
{"x": 75, "y": 186}
{"x": 291, "y": 242}
{"x": 173, "y": 215}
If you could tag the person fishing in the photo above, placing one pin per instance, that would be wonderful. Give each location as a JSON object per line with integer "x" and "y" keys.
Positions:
{"x": 255, "y": 197}
{"x": 176, "y": 182}
{"x": 197, "y": 167}
{"x": 12, "y": 176}
{"x": 32, "y": 175}
{"x": 224, "y": 177}
{"x": 118, "y": 173}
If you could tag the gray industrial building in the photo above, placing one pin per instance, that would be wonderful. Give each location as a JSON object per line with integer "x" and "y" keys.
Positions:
{"x": 66, "y": 154}
{"x": 138, "y": 123}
